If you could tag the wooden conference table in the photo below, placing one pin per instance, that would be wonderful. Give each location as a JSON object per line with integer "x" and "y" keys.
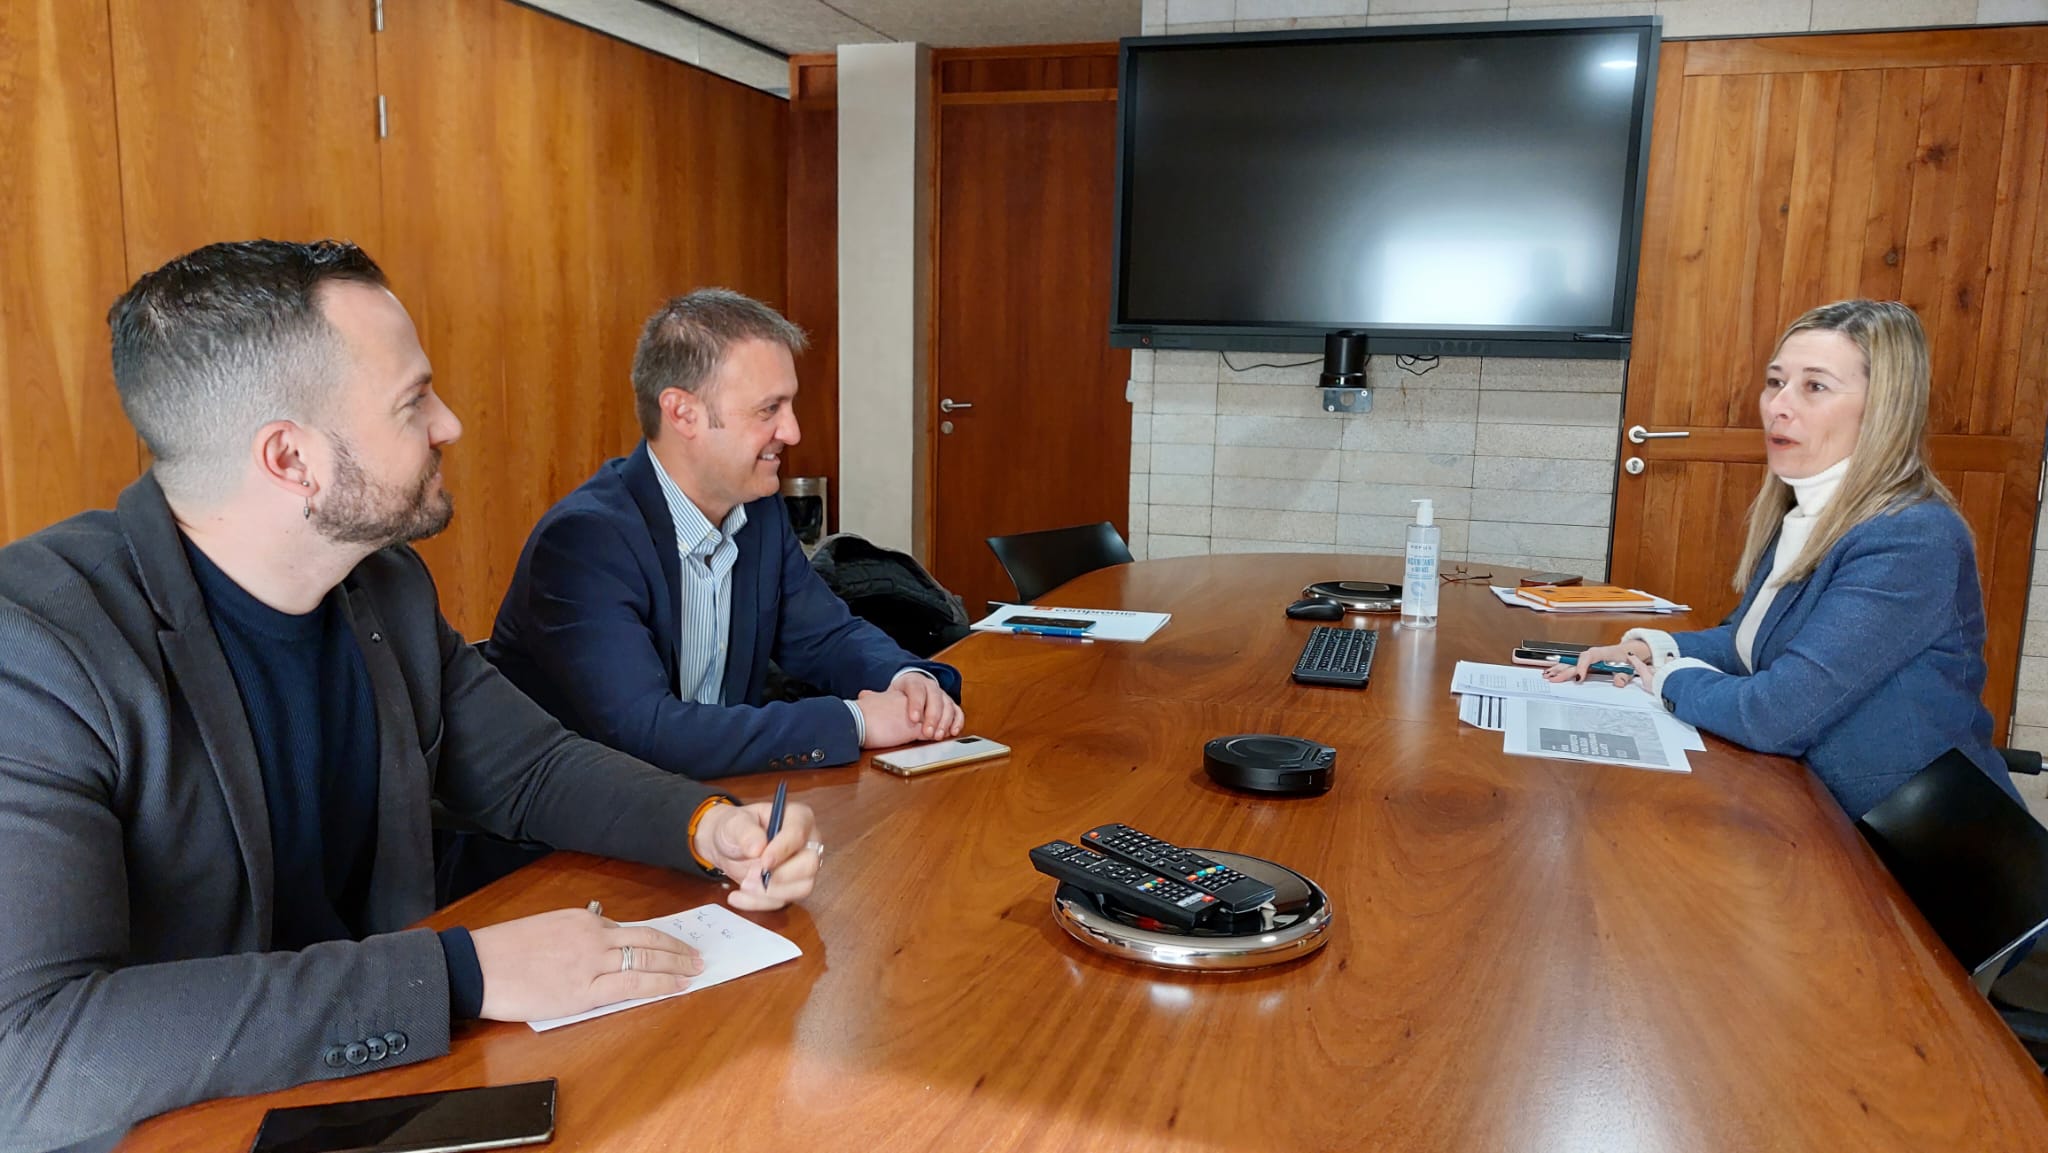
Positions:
{"x": 1527, "y": 954}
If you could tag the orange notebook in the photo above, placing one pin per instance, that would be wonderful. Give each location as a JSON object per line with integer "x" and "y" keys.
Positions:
{"x": 1587, "y": 598}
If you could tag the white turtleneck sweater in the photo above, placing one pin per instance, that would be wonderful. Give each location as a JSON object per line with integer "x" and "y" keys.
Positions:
{"x": 1810, "y": 495}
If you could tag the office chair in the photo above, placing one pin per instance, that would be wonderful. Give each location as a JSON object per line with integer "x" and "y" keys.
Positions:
{"x": 1038, "y": 562}
{"x": 1975, "y": 863}
{"x": 1974, "y": 860}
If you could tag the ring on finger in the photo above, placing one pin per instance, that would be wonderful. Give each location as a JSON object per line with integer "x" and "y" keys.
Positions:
{"x": 625, "y": 958}
{"x": 817, "y": 847}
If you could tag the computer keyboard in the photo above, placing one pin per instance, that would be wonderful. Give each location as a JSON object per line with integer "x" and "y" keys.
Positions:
{"x": 1337, "y": 656}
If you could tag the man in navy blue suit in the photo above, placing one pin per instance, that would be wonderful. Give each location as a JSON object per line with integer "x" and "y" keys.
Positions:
{"x": 648, "y": 603}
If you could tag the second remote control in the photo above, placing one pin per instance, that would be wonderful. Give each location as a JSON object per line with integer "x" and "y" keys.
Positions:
{"x": 1232, "y": 889}
{"x": 1139, "y": 891}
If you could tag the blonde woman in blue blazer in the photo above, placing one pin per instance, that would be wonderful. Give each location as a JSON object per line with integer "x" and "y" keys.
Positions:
{"x": 1858, "y": 646}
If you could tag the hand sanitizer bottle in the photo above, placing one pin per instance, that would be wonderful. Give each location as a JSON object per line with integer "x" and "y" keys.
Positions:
{"x": 1418, "y": 590}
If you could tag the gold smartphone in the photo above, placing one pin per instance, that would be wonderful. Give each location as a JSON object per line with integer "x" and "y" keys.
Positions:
{"x": 938, "y": 755}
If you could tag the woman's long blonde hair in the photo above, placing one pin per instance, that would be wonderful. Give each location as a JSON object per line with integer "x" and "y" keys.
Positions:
{"x": 1888, "y": 467}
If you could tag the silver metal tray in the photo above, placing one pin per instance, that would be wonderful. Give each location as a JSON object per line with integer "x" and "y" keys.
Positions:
{"x": 1358, "y": 596}
{"x": 1294, "y": 925}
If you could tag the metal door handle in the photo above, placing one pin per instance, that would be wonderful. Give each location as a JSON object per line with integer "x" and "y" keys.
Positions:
{"x": 1637, "y": 434}
{"x": 951, "y": 405}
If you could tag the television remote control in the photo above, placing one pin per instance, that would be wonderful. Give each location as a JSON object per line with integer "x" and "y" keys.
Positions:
{"x": 1138, "y": 891}
{"x": 1232, "y": 889}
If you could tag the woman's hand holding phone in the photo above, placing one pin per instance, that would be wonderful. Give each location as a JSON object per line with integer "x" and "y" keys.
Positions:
{"x": 1634, "y": 654}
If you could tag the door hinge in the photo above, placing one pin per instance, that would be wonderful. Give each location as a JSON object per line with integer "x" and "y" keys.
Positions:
{"x": 376, "y": 15}
{"x": 383, "y": 119}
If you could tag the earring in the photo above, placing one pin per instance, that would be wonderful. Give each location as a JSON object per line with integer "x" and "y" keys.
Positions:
{"x": 308, "y": 514}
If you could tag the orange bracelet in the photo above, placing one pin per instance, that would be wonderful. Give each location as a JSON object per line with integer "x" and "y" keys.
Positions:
{"x": 697, "y": 818}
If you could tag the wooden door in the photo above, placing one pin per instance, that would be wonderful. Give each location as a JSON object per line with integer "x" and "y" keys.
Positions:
{"x": 546, "y": 189}
{"x": 1790, "y": 172}
{"x": 1024, "y": 235}
{"x": 244, "y": 119}
{"x": 64, "y": 444}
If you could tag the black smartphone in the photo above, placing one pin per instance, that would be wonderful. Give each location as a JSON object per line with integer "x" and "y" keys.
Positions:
{"x": 1048, "y": 623}
{"x": 490, "y": 1117}
{"x": 1555, "y": 648}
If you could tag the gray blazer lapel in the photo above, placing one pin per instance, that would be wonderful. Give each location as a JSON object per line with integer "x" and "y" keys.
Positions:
{"x": 405, "y": 847}
{"x": 199, "y": 674}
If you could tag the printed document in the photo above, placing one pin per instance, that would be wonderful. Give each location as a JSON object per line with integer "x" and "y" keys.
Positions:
{"x": 731, "y": 946}
{"x": 1596, "y": 733}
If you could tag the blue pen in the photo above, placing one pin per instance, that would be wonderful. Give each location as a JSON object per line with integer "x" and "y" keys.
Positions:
{"x": 1600, "y": 666}
{"x": 1046, "y": 631}
{"x": 775, "y": 821}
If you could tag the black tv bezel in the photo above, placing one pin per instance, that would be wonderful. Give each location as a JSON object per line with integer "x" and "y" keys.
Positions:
{"x": 1447, "y": 340}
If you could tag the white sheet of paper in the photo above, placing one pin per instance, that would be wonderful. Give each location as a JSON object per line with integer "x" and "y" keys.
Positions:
{"x": 1526, "y": 681}
{"x": 1110, "y": 624}
{"x": 1508, "y": 597}
{"x": 1594, "y": 733}
{"x": 731, "y": 946}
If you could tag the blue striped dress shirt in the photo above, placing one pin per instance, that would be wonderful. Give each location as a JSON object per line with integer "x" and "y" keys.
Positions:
{"x": 707, "y": 556}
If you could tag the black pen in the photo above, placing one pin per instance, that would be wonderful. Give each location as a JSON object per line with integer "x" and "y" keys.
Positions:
{"x": 775, "y": 823}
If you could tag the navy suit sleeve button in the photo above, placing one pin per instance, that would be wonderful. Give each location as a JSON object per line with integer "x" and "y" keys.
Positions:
{"x": 817, "y": 754}
{"x": 396, "y": 1043}
{"x": 333, "y": 1057}
{"x": 357, "y": 1053}
{"x": 378, "y": 1049}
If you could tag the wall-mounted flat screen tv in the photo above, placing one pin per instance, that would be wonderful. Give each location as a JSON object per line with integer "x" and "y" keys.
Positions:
{"x": 1458, "y": 188}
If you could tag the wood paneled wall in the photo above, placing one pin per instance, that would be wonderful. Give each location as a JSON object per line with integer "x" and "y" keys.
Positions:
{"x": 241, "y": 119}
{"x": 542, "y": 190}
{"x": 814, "y": 264}
{"x": 64, "y": 444}
{"x": 546, "y": 189}
{"x": 1794, "y": 171}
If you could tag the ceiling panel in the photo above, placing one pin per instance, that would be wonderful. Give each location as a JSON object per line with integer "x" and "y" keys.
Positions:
{"x": 817, "y": 26}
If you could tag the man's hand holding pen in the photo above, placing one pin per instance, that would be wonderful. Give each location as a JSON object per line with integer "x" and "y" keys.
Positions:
{"x": 736, "y": 840}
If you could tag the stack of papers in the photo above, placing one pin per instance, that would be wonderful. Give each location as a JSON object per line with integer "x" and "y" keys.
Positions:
{"x": 1657, "y": 604}
{"x": 1594, "y": 721}
{"x": 1110, "y": 624}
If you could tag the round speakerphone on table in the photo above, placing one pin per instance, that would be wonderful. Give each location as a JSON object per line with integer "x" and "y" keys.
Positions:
{"x": 1358, "y": 596}
{"x": 1267, "y": 763}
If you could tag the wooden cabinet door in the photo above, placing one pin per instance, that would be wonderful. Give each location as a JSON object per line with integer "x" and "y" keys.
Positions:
{"x": 546, "y": 188}
{"x": 1025, "y": 234}
{"x": 64, "y": 444}
{"x": 244, "y": 119}
{"x": 1791, "y": 172}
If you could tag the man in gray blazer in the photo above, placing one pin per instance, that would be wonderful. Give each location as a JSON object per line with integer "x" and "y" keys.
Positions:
{"x": 227, "y": 704}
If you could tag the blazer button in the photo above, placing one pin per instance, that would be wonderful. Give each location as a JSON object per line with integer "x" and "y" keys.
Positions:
{"x": 395, "y": 1042}
{"x": 378, "y": 1050}
{"x": 333, "y": 1057}
{"x": 357, "y": 1053}
{"x": 817, "y": 754}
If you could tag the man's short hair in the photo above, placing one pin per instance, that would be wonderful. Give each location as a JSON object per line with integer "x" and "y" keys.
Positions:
{"x": 684, "y": 341}
{"x": 223, "y": 340}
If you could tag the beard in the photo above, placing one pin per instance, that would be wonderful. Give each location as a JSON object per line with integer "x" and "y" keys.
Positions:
{"x": 360, "y": 510}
